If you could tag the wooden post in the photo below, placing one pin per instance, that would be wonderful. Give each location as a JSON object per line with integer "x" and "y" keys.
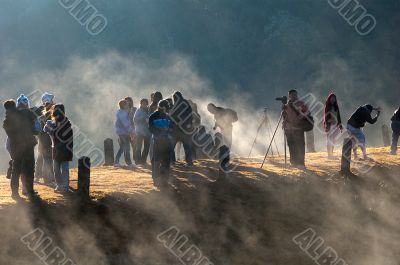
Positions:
{"x": 310, "y": 141}
{"x": 385, "y": 135}
{"x": 84, "y": 177}
{"x": 346, "y": 156}
{"x": 108, "y": 152}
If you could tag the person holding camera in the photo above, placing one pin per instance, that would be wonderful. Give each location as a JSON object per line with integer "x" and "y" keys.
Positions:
{"x": 395, "y": 131}
{"x": 294, "y": 112}
{"x": 355, "y": 127}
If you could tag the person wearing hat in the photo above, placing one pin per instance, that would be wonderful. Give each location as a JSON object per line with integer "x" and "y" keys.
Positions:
{"x": 61, "y": 133}
{"x": 160, "y": 126}
{"x": 44, "y": 162}
{"x": 21, "y": 127}
{"x": 355, "y": 127}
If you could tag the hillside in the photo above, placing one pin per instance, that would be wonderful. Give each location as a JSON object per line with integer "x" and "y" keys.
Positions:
{"x": 250, "y": 217}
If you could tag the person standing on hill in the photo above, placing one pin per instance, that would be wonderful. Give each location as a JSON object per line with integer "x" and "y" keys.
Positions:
{"x": 21, "y": 126}
{"x": 182, "y": 117}
{"x": 44, "y": 162}
{"x": 395, "y": 131}
{"x": 141, "y": 121}
{"x": 355, "y": 127}
{"x": 156, "y": 98}
{"x": 294, "y": 112}
{"x": 132, "y": 111}
{"x": 332, "y": 123}
{"x": 126, "y": 134}
{"x": 60, "y": 130}
{"x": 224, "y": 119}
{"x": 160, "y": 126}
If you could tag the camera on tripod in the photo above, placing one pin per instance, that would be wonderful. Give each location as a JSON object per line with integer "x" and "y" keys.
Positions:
{"x": 283, "y": 99}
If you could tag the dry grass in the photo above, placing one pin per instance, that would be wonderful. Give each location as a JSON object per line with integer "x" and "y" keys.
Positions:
{"x": 110, "y": 180}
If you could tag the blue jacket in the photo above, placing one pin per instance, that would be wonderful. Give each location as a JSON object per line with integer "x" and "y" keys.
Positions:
{"x": 123, "y": 125}
{"x": 141, "y": 121}
{"x": 160, "y": 125}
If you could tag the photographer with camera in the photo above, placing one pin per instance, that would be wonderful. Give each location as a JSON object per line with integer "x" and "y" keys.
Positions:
{"x": 295, "y": 113}
{"x": 355, "y": 128}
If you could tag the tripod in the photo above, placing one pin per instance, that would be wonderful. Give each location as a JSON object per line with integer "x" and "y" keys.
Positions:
{"x": 273, "y": 137}
{"x": 265, "y": 121}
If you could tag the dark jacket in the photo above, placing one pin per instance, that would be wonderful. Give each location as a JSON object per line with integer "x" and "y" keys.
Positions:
{"x": 62, "y": 137}
{"x": 20, "y": 129}
{"x": 160, "y": 124}
{"x": 396, "y": 116}
{"x": 182, "y": 116}
{"x": 360, "y": 117}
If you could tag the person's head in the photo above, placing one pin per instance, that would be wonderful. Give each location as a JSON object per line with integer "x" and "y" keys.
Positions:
{"x": 123, "y": 104}
{"x": 170, "y": 103}
{"x": 22, "y": 102}
{"x": 369, "y": 107}
{"x": 331, "y": 100}
{"x": 10, "y": 104}
{"x": 157, "y": 97}
{"x": 177, "y": 96}
{"x": 47, "y": 100}
{"x": 292, "y": 95}
{"x": 144, "y": 103}
{"x": 129, "y": 101}
{"x": 58, "y": 112}
{"x": 163, "y": 106}
{"x": 212, "y": 108}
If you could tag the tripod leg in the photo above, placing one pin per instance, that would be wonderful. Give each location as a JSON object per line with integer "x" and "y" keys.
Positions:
{"x": 273, "y": 137}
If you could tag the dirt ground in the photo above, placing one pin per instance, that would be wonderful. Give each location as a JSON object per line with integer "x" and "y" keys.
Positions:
{"x": 247, "y": 217}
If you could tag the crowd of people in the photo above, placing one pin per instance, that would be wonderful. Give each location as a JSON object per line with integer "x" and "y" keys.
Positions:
{"x": 45, "y": 126}
{"x": 154, "y": 132}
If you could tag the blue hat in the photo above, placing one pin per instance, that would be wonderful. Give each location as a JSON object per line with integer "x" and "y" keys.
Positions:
{"x": 22, "y": 100}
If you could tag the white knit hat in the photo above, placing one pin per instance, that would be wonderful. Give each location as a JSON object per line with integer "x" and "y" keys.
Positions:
{"x": 47, "y": 98}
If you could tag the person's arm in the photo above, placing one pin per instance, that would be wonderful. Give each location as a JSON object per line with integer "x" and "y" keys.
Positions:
{"x": 152, "y": 128}
{"x": 125, "y": 121}
{"x": 369, "y": 118}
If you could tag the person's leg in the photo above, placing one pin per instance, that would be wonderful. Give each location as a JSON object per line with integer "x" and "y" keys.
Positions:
{"x": 65, "y": 175}
{"x": 133, "y": 145}
{"x": 300, "y": 147}
{"x": 28, "y": 170}
{"x": 395, "y": 137}
{"x": 187, "y": 146}
{"x": 127, "y": 149}
{"x": 120, "y": 150}
{"x": 138, "y": 151}
{"x": 15, "y": 174}
{"x": 155, "y": 162}
{"x": 227, "y": 136}
{"x": 57, "y": 174}
{"x": 165, "y": 162}
{"x": 292, "y": 146}
{"x": 48, "y": 169}
{"x": 39, "y": 166}
{"x": 9, "y": 170}
{"x": 146, "y": 148}
{"x": 174, "y": 141}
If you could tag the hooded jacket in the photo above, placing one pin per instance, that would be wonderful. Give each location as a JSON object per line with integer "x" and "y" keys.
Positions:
{"x": 123, "y": 124}
{"x": 396, "y": 116}
{"x": 62, "y": 139}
